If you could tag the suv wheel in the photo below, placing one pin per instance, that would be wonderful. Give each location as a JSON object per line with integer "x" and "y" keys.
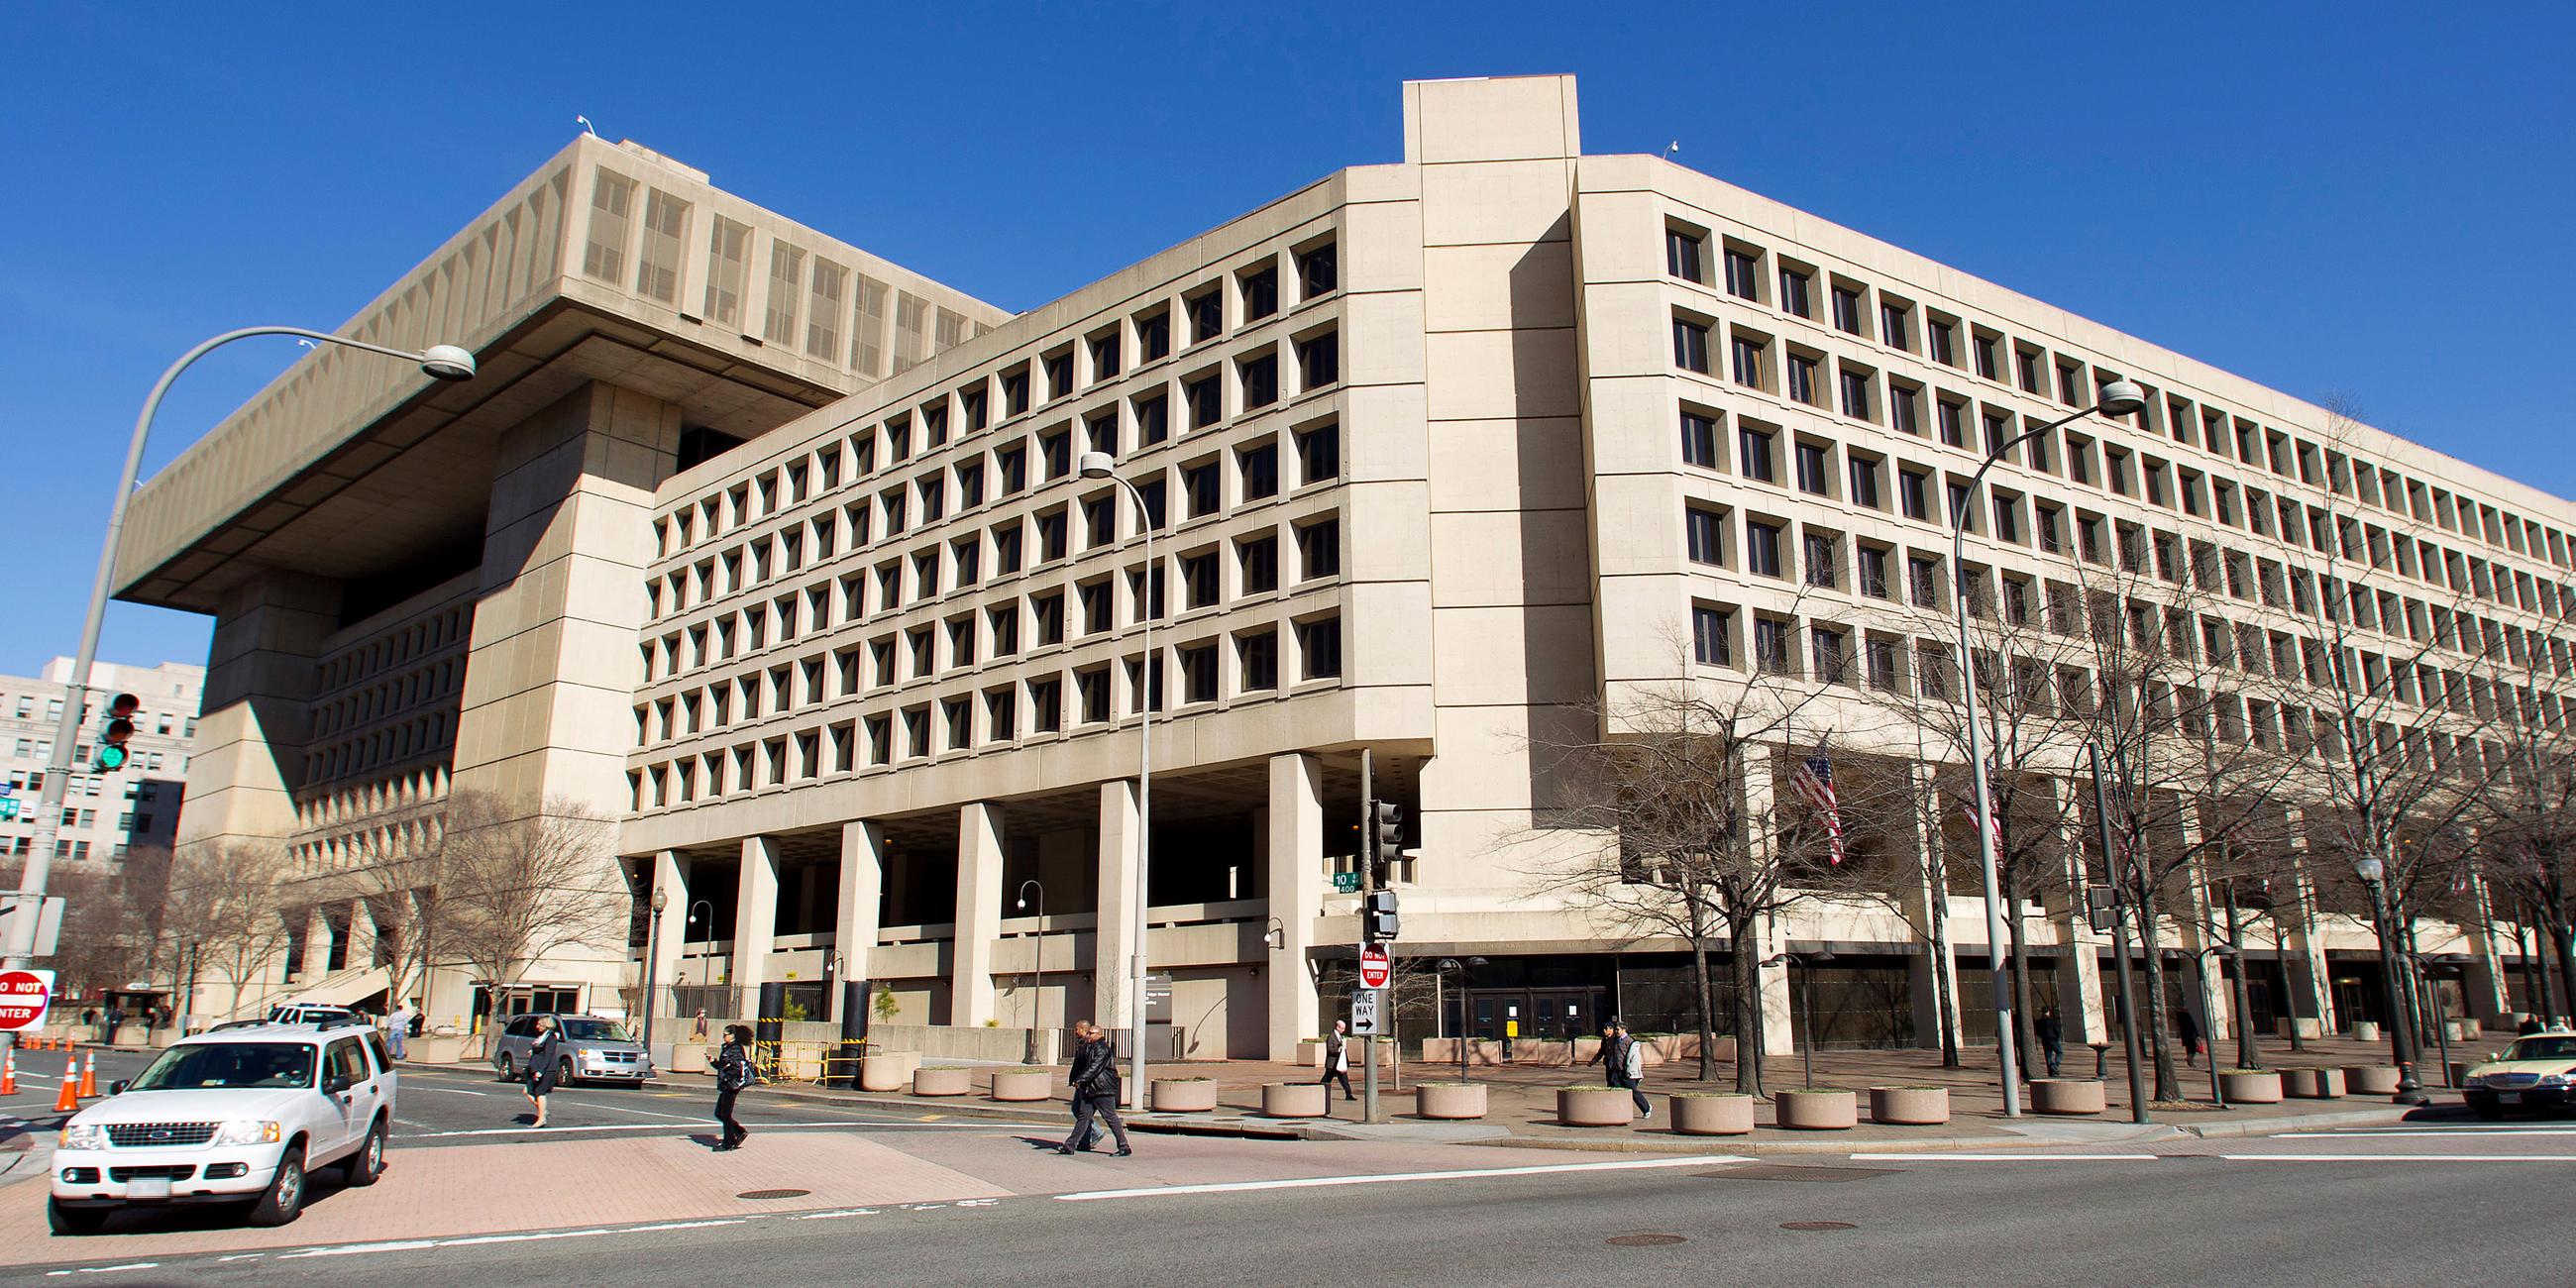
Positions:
{"x": 73, "y": 1220}
{"x": 284, "y": 1200}
{"x": 502, "y": 1063}
{"x": 365, "y": 1166}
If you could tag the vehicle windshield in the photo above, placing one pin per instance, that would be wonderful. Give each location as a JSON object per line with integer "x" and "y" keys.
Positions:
{"x": 205, "y": 1065}
{"x": 587, "y": 1030}
{"x": 2560, "y": 1048}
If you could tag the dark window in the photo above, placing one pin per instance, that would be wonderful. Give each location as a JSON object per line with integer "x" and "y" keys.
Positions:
{"x": 1319, "y": 549}
{"x": 1846, "y": 310}
{"x": 1260, "y": 655}
{"x": 1762, "y": 548}
{"x": 1102, "y": 430}
{"x": 1802, "y": 378}
{"x": 1207, "y": 315}
{"x": 1922, "y": 582}
{"x": 1682, "y": 255}
{"x": 1001, "y": 709}
{"x": 1004, "y": 623}
{"x": 1869, "y": 572}
{"x": 972, "y": 402}
{"x": 1864, "y": 482}
{"x": 1046, "y": 706}
{"x": 1747, "y": 354}
{"x": 1259, "y": 558}
{"x": 1261, "y": 381}
{"x": 1200, "y": 484}
{"x": 1057, "y": 450}
{"x": 1911, "y": 496}
{"x": 1320, "y": 643}
{"x": 1892, "y": 328}
{"x": 1699, "y": 440}
{"x": 1771, "y": 645}
{"x": 1013, "y": 462}
{"x": 1099, "y": 520}
{"x": 1753, "y": 454}
{"x": 1151, "y": 493}
{"x": 1710, "y": 628}
{"x": 1051, "y": 534}
{"x": 1903, "y": 406}
{"x": 1260, "y": 294}
{"x": 1811, "y": 468}
{"x": 1154, "y": 337}
{"x": 1794, "y": 297}
{"x": 1198, "y": 673}
{"x": 1095, "y": 606}
{"x": 1831, "y": 655}
{"x": 1705, "y": 533}
{"x": 1015, "y": 391}
{"x": 1006, "y": 550}
{"x": 1953, "y": 418}
{"x": 1855, "y": 393}
{"x": 1093, "y": 686}
{"x": 934, "y": 424}
{"x": 1318, "y": 271}
{"x": 1153, "y": 420}
{"x": 1206, "y": 397}
{"x": 1319, "y": 360}
{"x": 1198, "y": 580}
{"x": 1259, "y": 467}
{"x": 1944, "y": 338}
{"x": 1740, "y": 279}
{"x": 1319, "y": 453}
{"x": 1690, "y": 345}
{"x": 970, "y": 485}
{"x": 1821, "y": 567}
{"x": 1986, "y": 346}
{"x": 1104, "y": 356}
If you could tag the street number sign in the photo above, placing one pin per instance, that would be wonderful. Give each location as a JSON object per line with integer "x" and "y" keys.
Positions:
{"x": 1364, "y": 1013}
{"x": 24, "y": 995}
{"x": 1346, "y": 883}
{"x": 1374, "y": 967}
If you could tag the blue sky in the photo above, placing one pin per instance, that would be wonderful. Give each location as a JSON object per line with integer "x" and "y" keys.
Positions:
{"x": 2361, "y": 197}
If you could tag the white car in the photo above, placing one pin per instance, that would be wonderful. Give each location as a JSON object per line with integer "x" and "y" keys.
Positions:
{"x": 237, "y": 1116}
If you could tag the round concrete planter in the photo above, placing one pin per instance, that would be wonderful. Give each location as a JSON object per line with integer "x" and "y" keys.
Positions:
{"x": 1727, "y": 1114}
{"x": 2365, "y": 1030}
{"x": 1818, "y": 1110}
{"x": 2312, "y": 1084}
{"x": 1020, "y": 1086}
{"x": 1293, "y": 1100}
{"x": 2371, "y": 1079}
{"x": 943, "y": 1080}
{"x": 884, "y": 1072}
{"x": 2069, "y": 1097}
{"x": 1454, "y": 1101}
{"x": 1594, "y": 1106}
{"x": 2250, "y": 1086}
{"x": 1188, "y": 1095}
{"x": 1909, "y": 1106}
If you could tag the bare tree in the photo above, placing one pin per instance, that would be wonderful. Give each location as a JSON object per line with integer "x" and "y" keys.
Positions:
{"x": 390, "y": 862}
{"x": 220, "y": 912}
{"x": 514, "y": 887}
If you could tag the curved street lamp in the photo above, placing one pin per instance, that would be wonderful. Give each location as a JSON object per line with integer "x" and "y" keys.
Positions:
{"x": 2119, "y": 398}
{"x": 2401, "y": 1012}
{"x": 1098, "y": 465}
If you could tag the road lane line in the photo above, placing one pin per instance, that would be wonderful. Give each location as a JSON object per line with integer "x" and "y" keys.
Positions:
{"x": 1911, "y": 1157}
{"x": 2425, "y": 1131}
{"x": 569, "y": 1128}
{"x": 2399, "y": 1158}
{"x": 1388, "y": 1178}
{"x": 453, "y": 1091}
{"x": 538, "y": 1236}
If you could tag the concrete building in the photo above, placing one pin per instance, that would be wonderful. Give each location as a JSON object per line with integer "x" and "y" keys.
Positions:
{"x": 780, "y": 555}
{"x": 104, "y": 815}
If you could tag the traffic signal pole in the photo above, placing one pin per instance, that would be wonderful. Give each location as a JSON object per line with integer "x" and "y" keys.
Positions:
{"x": 1368, "y": 928}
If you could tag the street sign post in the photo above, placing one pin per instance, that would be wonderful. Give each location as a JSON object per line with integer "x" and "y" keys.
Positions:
{"x": 24, "y": 995}
{"x": 1375, "y": 969}
{"x": 1364, "y": 1013}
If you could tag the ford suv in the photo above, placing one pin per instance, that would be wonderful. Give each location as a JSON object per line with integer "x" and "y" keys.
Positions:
{"x": 592, "y": 1049}
{"x": 237, "y": 1116}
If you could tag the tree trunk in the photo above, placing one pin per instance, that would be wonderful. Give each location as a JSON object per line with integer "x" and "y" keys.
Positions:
{"x": 2025, "y": 1033}
{"x": 1741, "y": 946}
{"x": 2168, "y": 1086}
{"x": 1700, "y": 990}
{"x": 1944, "y": 996}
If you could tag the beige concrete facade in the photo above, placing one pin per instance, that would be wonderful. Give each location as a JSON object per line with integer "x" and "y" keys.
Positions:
{"x": 863, "y": 690}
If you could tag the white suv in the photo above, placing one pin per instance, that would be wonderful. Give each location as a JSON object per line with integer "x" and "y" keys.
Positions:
{"x": 232, "y": 1116}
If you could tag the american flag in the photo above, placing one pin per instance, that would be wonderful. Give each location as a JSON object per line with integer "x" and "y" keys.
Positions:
{"x": 1815, "y": 781}
{"x": 1968, "y": 811}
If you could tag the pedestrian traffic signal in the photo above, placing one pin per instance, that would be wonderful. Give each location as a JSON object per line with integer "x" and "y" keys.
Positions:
{"x": 1377, "y": 916}
{"x": 120, "y": 728}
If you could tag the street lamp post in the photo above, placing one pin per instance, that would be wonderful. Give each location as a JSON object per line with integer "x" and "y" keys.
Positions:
{"x": 706, "y": 967}
{"x": 2201, "y": 959}
{"x": 439, "y": 362}
{"x": 1037, "y": 1001}
{"x": 2115, "y": 869}
{"x": 2401, "y": 1028}
{"x": 2119, "y": 398}
{"x": 1097, "y": 465}
{"x": 1807, "y": 991}
{"x": 652, "y": 941}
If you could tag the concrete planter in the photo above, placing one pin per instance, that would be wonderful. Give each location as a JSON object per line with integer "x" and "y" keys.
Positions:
{"x": 1293, "y": 1100}
{"x": 1818, "y": 1110}
{"x": 690, "y": 1057}
{"x": 435, "y": 1050}
{"x": 1713, "y": 1115}
{"x": 165, "y": 1039}
{"x": 2068, "y": 1097}
{"x": 2251, "y": 1087}
{"x": 1909, "y": 1106}
{"x": 2312, "y": 1084}
{"x": 2365, "y": 1031}
{"x": 1450, "y": 1101}
{"x": 943, "y": 1080}
{"x": 1185, "y": 1095}
{"x": 1020, "y": 1086}
{"x": 2370, "y": 1079}
{"x": 884, "y": 1072}
{"x": 1594, "y": 1106}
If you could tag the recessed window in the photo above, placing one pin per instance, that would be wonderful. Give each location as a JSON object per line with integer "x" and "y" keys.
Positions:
{"x": 1821, "y": 564}
{"x": 1260, "y": 379}
{"x": 1913, "y": 494}
{"x": 1319, "y": 360}
{"x": 1699, "y": 440}
{"x": 1153, "y": 420}
{"x": 1319, "y": 644}
{"x": 1711, "y": 629}
{"x": 1104, "y": 355}
{"x": 1319, "y": 549}
{"x": 1198, "y": 580}
{"x": 1762, "y": 548}
{"x": 1318, "y": 270}
{"x": 1746, "y": 353}
{"x": 1797, "y": 292}
{"x": 1258, "y": 654}
{"x": 1864, "y": 481}
{"x": 1855, "y": 394}
{"x": 1846, "y": 310}
{"x": 1684, "y": 255}
{"x": 1690, "y": 345}
{"x": 1943, "y": 336}
{"x": 1802, "y": 379}
{"x": 1704, "y": 532}
{"x": 1319, "y": 453}
{"x": 1200, "y": 485}
{"x": 1260, "y": 293}
{"x": 1753, "y": 454}
{"x": 1206, "y": 397}
{"x": 1743, "y": 274}
{"x": 1198, "y": 673}
{"x": 1258, "y": 466}
{"x": 1812, "y": 469}
{"x": 1257, "y": 563}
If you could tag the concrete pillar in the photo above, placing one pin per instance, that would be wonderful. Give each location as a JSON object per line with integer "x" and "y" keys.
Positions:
{"x": 2308, "y": 985}
{"x": 862, "y": 894}
{"x": 1296, "y": 894}
{"x": 317, "y": 947}
{"x": 1114, "y": 939}
{"x": 2080, "y": 1009}
{"x": 755, "y": 920}
{"x": 2483, "y": 981}
{"x": 671, "y": 925}
{"x": 1761, "y": 821}
{"x": 1926, "y": 897}
{"x": 979, "y": 914}
{"x": 257, "y": 708}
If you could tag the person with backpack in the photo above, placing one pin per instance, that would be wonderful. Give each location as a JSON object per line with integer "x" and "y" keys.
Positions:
{"x": 1095, "y": 1090}
{"x": 734, "y": 1072}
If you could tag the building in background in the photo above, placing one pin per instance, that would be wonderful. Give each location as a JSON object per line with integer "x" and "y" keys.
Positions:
{"x": 104, "y": 815}
{"x": 780, "y": 556}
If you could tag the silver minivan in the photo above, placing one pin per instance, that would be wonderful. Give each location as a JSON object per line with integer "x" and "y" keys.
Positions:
{"x": 593, "y": 1050}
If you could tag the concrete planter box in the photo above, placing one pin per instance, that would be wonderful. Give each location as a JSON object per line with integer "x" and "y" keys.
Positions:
{"x": 1594, "y": 1106}
{"x": 429, "y": 1049}
{"x": 1186, "y": 1095}
{"x": 1310, "y": 1053}
{"x": 2068, "y": 1097}
{"x": 945, "y": 1080}
{"x": 1713, "y": 1115}
{"x": 2251, "y": 1087}
{"x": 1293, "y": 1100}
{"x": 885, "y": 1072}
{"x": 2365, "y": 1031}
{"x": 1817, "y": 1110}
{"x": 2312, "y": 1084}
{"x": 692, "y": 1057}
{"x": 1020, "y": 1086}
{"x": 2371, "y": 1079}
{"x": 1450, "y": 1101}
{"x": 1909, "y": 1106}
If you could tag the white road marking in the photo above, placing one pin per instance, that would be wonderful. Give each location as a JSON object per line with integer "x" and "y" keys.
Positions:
{"x": 764, "y": 1126}
{"x": 2426, "y": 1131}
{"x": 416, "y": 1245}
{"x": 1912, "y": 1157}
{"x": 453, "y": 1091}
{"x": 2399, "y": 1158}
{"x": 1388, "y": 1178}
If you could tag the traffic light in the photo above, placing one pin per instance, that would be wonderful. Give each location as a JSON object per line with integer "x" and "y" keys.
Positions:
{"x": 1377, "y": 916}
{"x": 120, "y": 727}
{"x": 1385, "y": 836}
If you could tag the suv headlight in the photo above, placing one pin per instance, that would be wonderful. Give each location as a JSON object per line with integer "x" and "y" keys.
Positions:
{"x": 248, "y": 1131}
{"x": 82, "y": 1136}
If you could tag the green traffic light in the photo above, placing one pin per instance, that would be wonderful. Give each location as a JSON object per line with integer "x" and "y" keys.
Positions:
{"x": 111, "y": 759}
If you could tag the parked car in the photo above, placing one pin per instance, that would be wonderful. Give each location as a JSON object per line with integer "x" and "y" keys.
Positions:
{"x": 238, "y": 1116}
{"x": 594, "y": 1049}
{"x": 2537, "y": 1072}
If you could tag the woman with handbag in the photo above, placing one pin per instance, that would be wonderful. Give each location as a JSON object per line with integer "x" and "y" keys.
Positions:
{"x": 544, "y": 1055}
{"x": 734, "y": 1072}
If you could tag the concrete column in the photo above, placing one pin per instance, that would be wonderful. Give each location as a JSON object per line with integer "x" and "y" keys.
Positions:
{"x": 362, "y": 937}
{"x": 1114, "y": 939}
{"x": 979, "y": 914}
{"x": 862, "y": 895}
{"x": 671, "y": 928}
{"x": 317, "y": 947}
{"x": 2080, "y": 1009}
{"x": 257, "y": 708}
{"x": 2309, "y": 986}
{"x": 1779, "y": 1025}
{"x": 1926, "y": 897}
{"x": 2484, "y": 979}
{"x": 755, "y": 919}
{"x": 1296, "y": 894}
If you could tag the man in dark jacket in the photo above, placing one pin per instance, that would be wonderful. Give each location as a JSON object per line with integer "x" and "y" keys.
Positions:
{"x": 1095, "y": 1090}
{"x": 2051, "y": 1032}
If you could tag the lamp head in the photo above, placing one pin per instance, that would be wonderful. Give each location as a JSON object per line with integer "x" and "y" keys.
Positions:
{"x": 2371, "y": 870}
{"x": 661, "y": 900}
{"x": 1021, "y": 904}
{"x": 447, "y": 362}
{"x": 2122, "y": 398}
{"x": 1095, "y": 465}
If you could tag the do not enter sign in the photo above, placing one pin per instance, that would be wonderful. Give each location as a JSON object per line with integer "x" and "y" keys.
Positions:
{"x": 1374, "y": 969}
{"x": 24, "y": 995}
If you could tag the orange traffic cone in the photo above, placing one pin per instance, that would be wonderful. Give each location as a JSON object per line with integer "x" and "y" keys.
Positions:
{"x": 9, "y": 1072}
{"x": 89, "y": 1074}
{"x": 68, "y": 1099}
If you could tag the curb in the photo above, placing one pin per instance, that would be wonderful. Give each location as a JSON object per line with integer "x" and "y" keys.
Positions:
{"x": 2305, "y": 1122}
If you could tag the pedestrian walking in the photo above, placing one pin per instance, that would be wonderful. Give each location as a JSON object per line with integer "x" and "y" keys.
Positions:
{"x": 542, "y": 1057}
{"x": 1337, "y": 1060}
{"x": 734, "y": 1072}
{"x": 2188, "y": 1029}
{"x": 398, "y": 1028}
{"x": 1624, "y": 1065}
{"x": 1095, "y": 1090}
{"x": 2052, "y": 1037}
